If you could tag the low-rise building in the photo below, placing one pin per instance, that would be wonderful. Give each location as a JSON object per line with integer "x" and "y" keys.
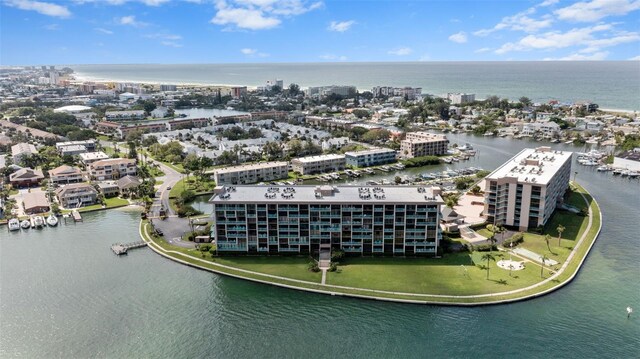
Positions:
{"x": 91, "y": 157}
{"x": 89, "y": 145}
{"x": 76, "y": 195}
{"x": 252, "y": 173}
{"x": 371, "y": 157}
{"x": 65, "y": 174}
{"x": 72, "y": 150}
{"x": 318, "y": 164}
{"x": 26, "y": 177}
{"x": 129, "y": 115}
{"x": 128, "y": 184}
{"x": 418, "y": 144}
{"x": 35, "y": 202}
{"x": 109, "y": 188}
{"x": 461, "y": 98}
{"x": 21, "y": 151}
{"x": 113, "y": 168}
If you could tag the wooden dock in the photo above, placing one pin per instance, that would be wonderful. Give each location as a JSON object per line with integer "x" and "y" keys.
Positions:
{"x": 76, "y": 216}
{"x": 119, "y": 248}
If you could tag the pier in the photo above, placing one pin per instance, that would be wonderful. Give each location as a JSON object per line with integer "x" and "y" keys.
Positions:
{"x": 76, "y": 216}
{"x": 119, "y": 248}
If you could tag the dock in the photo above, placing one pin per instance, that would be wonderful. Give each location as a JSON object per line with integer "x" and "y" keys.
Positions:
{"x": 119, "y": 248}
{"x": 76, "y": 216}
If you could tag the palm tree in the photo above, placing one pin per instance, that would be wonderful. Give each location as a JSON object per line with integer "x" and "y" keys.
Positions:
{"x": 488, "y": 257}
{"x": 547, "y": 238}
{"x": 544, "y": 259}
{"x": 560, "y": 229}
{"x": 492, "y": 240}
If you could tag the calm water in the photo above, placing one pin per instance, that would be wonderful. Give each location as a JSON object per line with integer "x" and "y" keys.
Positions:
{"x": 63, "y": 294}
{"x": 610, "y": 84}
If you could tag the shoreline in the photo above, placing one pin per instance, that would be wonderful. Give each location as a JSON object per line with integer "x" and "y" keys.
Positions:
{"x": 381, "y": 295}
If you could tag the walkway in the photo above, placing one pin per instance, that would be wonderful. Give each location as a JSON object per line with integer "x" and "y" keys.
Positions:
{"x": 420, "y": 298}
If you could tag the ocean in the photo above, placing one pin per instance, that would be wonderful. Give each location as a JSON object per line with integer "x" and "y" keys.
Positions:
{"x": 610, "y": 84}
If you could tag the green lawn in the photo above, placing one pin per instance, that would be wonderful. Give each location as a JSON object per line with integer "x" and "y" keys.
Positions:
{"x": 110, "y": 202}
{"x": 432, "y": 275}
{"x": 290, "y": 267}
{"x": 196, "y": 185}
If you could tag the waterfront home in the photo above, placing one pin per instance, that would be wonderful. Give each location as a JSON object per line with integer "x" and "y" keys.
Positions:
{"x": 65, "y": 174}
{"x": 588, "y": 125}
{"x": 109, "y": 188}
{"x": 26, "y": 177}
{"x": 251, "y": 173}
{"x": 113, "y": 168}
{"x": 91, "y": 157}
{"x": 21, "y": 151}
{"x": 390, "y": 220}
{"x": 525, "y": 190}
{"x": 128, "y": 184}
{"x": 76, "y": 195}
{"x": 35, "y": 202}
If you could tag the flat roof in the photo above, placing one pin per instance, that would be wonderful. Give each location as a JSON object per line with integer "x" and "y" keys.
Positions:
{"x": 253, "y": 166}
{"x": 93, "y": 155}
{"x": 310, "y": 159}
{"x": 330, "y": 194}
{"x": 536, "y": 165}
{"x": 369, "y": 152}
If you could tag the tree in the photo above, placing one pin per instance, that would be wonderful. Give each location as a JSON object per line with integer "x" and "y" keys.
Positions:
{"x": 488, "y": 257}
{"x": 133, "y": 152}
{"x": 492, "y": 241}
{"x": 560, "y": 229}
{"x": 452, "y": 200}
{"x": 547, "y": 238}
{"x": 544, "y": 260}
{"x": 475, "y": 190}
{"x": 525, "y": 101}
{"x": 294, "y": 90}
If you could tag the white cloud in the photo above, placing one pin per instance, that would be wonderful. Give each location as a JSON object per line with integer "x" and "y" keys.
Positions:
{"x": 332, "y": 57}
{"x": 519, "y": 22}
{"x": 43, "y": 8}
{"x": 340, "y": 26}
{"x": 402, "y": 51}
{"x": 131, "y": 21}
{"x": 122, "y": 2}
{"x": 575, "y": 37}
{"x": 253, "y": 52}
{"x": 635, "y": 58}
{"x": 460, "y": 37}
{"x": 259, "y": 14}
{"x": 548, "y": 3}
{"x": 425, "y": 57}
{"x": 598, "y": 56}
{"x": 163, "y": 36}
{"x": 52, "y": 27}
{"x": 596, "y": 9}
{"x": 171, "y": 44}
{"x": 482, "y": 50}
{"x": 104, "y": 31}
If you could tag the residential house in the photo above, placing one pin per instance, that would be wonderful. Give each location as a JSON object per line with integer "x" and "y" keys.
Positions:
{"x": 113, "y": 168}
{"x": 25, "y": 177}
{"x": 109, "y": 188}
{"x": 21, "y": 151}
{"x": 128, "y": 184}
{"x": 65, "y": 174}
{"x": 76, "y": 195}
{"x": 35, "y": 202}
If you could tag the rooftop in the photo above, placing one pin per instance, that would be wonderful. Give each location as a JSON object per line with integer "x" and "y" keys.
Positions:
{"x": 309, "y": 159}
{"x": 535, "y": 165}
{"x": 327, "y": 194}
{"x": 633, "y": 155}
{"x": 253, "y": 166}
{"x": 369, "y": 152}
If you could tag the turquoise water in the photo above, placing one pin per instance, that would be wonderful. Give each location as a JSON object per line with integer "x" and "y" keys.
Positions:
{"x": 63, "y": 294}
{"x": 611, "y": 84}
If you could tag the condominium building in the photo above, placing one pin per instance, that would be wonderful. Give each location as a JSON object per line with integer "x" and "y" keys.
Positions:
{"x": 89, "y": 145}
{"x": 65, "y": 174}
{"x": 391, "y": 220}
{"x": 371, "y": 157}
{"x": 252, "y": 173}
{"x": 318, "y": 164}
{"x": 21, "y": 151}
{"x": 525, "y": 190}
{"x": 418, "y": 144}
{"x": 91, "y": 157}
{"x": 461, "y": 98}
{"x": 125, "y": 115}
{"x": 76, "y": 195}
{"x": 113, "y": 168}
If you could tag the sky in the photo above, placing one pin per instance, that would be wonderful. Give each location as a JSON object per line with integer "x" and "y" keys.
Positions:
{"x": 253, "y": 31}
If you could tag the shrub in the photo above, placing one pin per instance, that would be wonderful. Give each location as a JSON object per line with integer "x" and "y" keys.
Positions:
{"x": 333, "y": 267}
{"x": 313, "y": 266}
{"x": 515, "y": 239}
{"x": 484, "y": 247}
{"x": 337, "y": 254}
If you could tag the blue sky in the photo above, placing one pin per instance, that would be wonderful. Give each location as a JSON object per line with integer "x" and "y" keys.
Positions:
{"x": 229, "y": 31}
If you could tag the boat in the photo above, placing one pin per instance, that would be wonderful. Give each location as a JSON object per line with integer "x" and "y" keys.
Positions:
{"x": 603, "y": 169}
{"x": 617, "y": 171}
{"x": 369, "y": 171}
{"x": 14, "y": 224}
{"x": 633, "y": 174}
{"x": 384, "y": 168}
{"x": 52, "y": 220}
{"x": 25, "y": 224}
{"x": 624, "y": 173}
{"x": 555, "y": 140}
{"x": 568, "y": 142}
{"x": 447, "y": 160}
{"x": 488, "y": 133}
{"x": 38, "y": 222}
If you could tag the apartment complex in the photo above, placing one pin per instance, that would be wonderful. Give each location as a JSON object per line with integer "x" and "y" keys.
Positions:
{"x": 113, "y": 168}
{"x": 65, "y": 174}
{"x": 418, "y": 144}
{"x": 525, "y": 190}
{"x": 76, "y": 195}
{"x": 318, "y": 164}
{"x": 21, "y": 151}
{"x": 252, "y": 173}
{"x": 393, "y": 220}
{"x": 461, "y": 98}
{"x": 371, "y": 157}
{"x": 125, "y": 115}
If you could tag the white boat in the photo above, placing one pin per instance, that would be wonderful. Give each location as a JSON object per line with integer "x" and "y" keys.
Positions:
{"x": 14, "y": 224}
{"x": 38, "y": 222}
{"x": 447, "y": 160}
{"x": 52, "y": 220}
{"x": 617, "y": 171}
{"x": 633, "y": 174}
{"x": 624, "y": 173}
{"x": 384, "y": 168}
{"x": 602, "y": 169}
{"x": 25, "y": 224}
